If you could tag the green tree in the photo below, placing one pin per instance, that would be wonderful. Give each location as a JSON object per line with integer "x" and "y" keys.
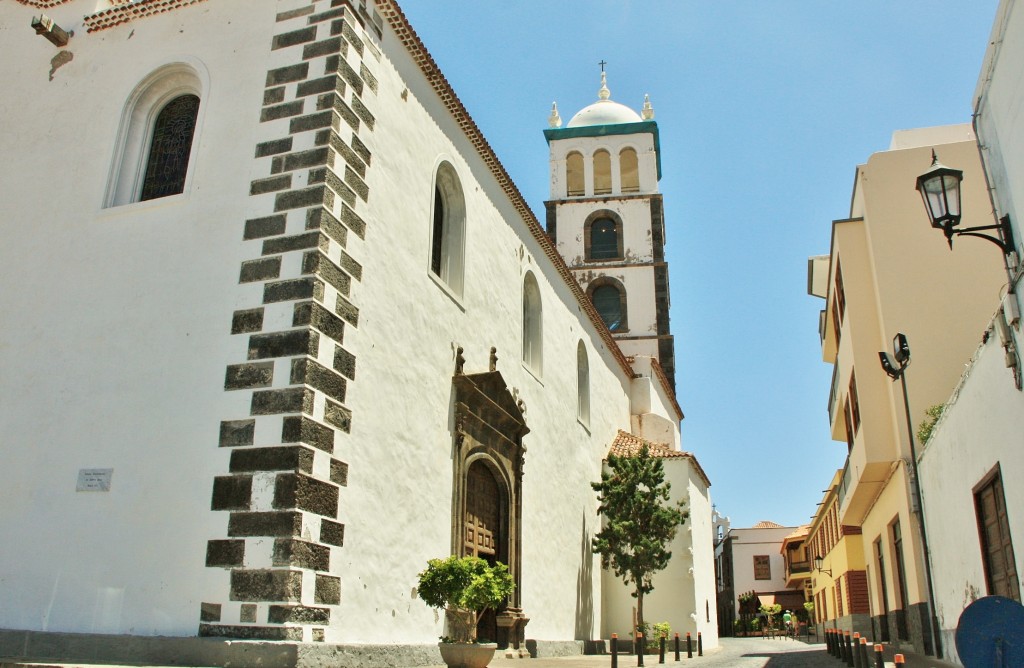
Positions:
{"x": 639, "y": 521}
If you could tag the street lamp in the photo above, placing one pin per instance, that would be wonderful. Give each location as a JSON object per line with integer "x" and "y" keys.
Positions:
{"x": 895, "y": 366}
{"x": 940, "y": 190}
{"x": 818, "y": 561}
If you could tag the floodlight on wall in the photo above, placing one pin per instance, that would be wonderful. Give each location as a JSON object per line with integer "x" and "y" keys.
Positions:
{"x": 895, "y": 364}
{"x": 818, "y": 561}
{"x": 889, "y": 365}
{"x": 901, "y": 349}
{"x": 45, "y": 26}
{"x": 940, "y": 190}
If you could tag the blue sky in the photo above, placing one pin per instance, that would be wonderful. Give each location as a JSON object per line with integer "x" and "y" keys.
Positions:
{"x": 764, "y": 109}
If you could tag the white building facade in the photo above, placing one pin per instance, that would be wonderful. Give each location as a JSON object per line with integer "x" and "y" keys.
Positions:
{"x": 971, "y": 466}
{"x": 690, "y": 573}
{"x": 294, "y": 326}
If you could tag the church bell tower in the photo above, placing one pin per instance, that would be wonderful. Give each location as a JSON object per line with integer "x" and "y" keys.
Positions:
{"x": 605, "y": 216}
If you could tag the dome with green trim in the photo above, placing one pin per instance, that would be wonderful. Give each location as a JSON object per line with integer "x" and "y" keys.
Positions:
{"x": 607, "y": 112}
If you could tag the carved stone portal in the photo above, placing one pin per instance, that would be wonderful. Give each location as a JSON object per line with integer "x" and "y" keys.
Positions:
{"x": 488, "y": 482}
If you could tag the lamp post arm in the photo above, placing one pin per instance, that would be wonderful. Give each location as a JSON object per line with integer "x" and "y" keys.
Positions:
{"x": 1004, "y": 240}
{"x": 1007, "y": 248}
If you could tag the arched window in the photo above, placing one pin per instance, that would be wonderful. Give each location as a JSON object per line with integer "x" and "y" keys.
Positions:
{"x": 609, "y": 298}
{"x": 533, "y": 326}
{"x": 602, "y": 236}
{"x": 629, "y": 171}
{"x": 582, "y": 384}
{"x": 574, "y": 174}
{"x": 604, "y": 240}
{"x": 602, "y": 172}
{"x": 160, "y": 125}
{"x": 448, "y": 228}
{"x": 170, "y": 148}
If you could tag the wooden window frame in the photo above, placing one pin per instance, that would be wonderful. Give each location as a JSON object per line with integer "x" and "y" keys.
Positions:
{"x": 765, "y": 568}
{"x": 995, "y": 477}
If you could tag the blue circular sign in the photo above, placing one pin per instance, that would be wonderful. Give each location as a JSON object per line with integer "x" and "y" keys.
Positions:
{"x": 990, "y": 633}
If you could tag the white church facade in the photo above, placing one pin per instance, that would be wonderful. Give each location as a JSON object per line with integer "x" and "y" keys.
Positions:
{"x": 277, "y": 327}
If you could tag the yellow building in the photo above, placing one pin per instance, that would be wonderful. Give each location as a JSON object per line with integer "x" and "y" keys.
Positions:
{"x": 888, "y": 272}
{"x": 838, "y": 583}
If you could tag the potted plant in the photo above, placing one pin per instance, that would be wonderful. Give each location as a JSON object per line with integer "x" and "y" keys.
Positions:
{"x": 464, "y": 587}
{"x": 662, "y": 631}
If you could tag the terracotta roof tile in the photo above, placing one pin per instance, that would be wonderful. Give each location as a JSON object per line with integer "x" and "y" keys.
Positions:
{"x": 766, "y": 524}
{"x": 630, "y": 445}
{"x": 800, "y": 532}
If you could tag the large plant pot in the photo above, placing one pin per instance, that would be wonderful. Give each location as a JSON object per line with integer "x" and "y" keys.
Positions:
{"x": 466, "y": 655}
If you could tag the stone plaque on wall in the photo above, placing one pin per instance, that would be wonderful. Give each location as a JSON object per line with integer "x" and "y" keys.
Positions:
{"x": 94, "y": 480}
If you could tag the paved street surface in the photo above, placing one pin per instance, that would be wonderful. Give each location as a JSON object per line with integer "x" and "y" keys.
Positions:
{"x": 732, "y": 653}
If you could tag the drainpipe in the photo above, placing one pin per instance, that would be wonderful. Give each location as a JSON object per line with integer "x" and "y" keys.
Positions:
{"x": 1014, "y": 270}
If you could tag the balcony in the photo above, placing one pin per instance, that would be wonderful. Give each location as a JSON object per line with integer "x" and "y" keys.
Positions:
{"x": 797, "y": 572}
{"x": 867, "y": 468}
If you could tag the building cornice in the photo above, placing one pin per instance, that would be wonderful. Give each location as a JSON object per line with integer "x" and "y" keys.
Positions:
{"x": 611, "y": 129}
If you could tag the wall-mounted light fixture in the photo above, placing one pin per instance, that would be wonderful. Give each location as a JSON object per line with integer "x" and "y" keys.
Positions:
{"x": 940, "y": 190}
{"x": 818, "y": 561}
{"x": 45, "y": 26}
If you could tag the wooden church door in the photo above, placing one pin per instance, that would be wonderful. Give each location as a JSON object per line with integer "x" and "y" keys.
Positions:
{"x": 483, "y": 532}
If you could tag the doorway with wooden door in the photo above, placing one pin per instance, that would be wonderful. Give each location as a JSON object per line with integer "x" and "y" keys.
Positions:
{"x": 485, "y": 531}
{"x": 487, "y": 486}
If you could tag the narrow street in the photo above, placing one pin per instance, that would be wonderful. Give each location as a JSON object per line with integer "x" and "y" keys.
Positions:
{"x": 732, "y": 653}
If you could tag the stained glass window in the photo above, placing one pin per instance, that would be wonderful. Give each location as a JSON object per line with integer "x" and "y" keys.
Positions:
{"x": 170, "y": 148}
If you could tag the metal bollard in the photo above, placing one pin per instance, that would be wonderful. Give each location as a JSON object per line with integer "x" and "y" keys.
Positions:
{"x": 615, "y": 650}
{"x": 856, "y": 651}
{"x": 863, "y": 652}
{"x": 689, "y": 646}
{"x": 849, "y": 650}
{"x": 844, "y": 651}
{"x": 700, "y": 645}
{"x": 900, "y": 661}
{"x": 677, "y": 645}
{"x": 830, "y": 642}
{"x": 640, "y": 646}
{"x": 661, "y": 649}
{"x": 879, "y": 655}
